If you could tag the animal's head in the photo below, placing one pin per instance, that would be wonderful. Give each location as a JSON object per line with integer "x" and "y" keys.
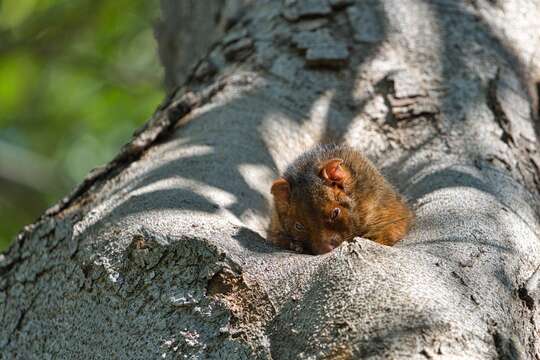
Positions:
{"x": 315, "y": 210}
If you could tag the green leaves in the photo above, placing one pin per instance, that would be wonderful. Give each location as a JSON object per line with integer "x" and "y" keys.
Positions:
{"x": 76, "y": 79}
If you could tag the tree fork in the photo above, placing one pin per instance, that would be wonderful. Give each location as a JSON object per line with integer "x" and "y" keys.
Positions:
{"x": 162, "y": 251}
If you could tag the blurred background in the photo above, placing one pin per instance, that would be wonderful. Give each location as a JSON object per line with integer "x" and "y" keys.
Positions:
{"x": 77, "y": 77}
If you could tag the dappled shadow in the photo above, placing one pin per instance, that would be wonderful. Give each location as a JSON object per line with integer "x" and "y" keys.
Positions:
{"x": 234, "y": 136}
{"x": 498, "y": 51}
{"x": 172, "y": 199}
{"x": 234, "y": 173}
{"x": 363, "y": 52}
{"x": 376, "y": 289}
{"x": 253, "y": 242}
{"x": 461, "y": 57}
{"x": 446, "y": 178}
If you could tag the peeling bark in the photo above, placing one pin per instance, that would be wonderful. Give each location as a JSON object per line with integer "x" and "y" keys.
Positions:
{"x": 162, "y": 252}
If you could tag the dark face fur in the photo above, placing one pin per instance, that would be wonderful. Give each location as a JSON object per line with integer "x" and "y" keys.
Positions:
{"x": 316, "y": 216}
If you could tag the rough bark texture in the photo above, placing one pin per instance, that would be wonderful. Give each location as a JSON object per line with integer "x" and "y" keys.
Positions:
{"x": 188, "y": 28}
{"x": 162, "y": 251}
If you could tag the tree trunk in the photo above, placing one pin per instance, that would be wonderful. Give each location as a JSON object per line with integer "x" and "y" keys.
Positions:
{"x": 162, "y": 252}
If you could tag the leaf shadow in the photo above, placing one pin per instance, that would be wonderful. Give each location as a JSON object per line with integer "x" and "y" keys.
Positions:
{"x": 232, "y": 138}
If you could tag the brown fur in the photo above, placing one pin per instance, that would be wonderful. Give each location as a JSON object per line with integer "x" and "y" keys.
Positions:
{"x": 330, "y": 195}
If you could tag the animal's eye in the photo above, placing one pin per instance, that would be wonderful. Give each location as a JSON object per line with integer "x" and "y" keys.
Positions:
{"x": 335, "y": 213}
{"x": 299, "y": 226}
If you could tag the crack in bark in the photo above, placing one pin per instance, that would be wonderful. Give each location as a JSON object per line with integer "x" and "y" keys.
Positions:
{"x": 536, "y": 107}
{"x": 526, "y": 297}
{"x": 526, "y": 155}
{"x": 248, "y": 302}
{"x": 18, "y": 324}
{"x": 250, "y": 306}
{"x": 498, "y": 112}
{"x": 248, "y": 298}
{"x": 405, "y": 108}
{"x": 528, "y": 292}
{"x": 508, "y": 347}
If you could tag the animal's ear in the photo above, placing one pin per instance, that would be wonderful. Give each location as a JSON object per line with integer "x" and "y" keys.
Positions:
{"x": 333, "y": 172}
{"x": 281, "y": 190}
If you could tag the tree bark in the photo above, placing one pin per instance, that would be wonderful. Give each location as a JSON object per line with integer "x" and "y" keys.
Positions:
{"x": 162, "y": 252}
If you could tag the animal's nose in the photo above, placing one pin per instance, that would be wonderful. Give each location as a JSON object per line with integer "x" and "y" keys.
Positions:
{"x": 336, "y": 240}
{"x": 328, "y": 247}
{"x": 328, "y": 241}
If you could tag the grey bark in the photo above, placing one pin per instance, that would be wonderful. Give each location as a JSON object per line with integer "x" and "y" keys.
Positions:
{"x": 188, "y": 28}
{"x": 162, "y": 252}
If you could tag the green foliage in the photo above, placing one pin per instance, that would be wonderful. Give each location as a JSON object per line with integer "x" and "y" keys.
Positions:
{"x": 76, "y": 78}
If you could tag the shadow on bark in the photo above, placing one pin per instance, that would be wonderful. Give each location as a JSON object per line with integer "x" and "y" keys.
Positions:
{"x": 231, "y": 139}
{"x": 225, "y": 149}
